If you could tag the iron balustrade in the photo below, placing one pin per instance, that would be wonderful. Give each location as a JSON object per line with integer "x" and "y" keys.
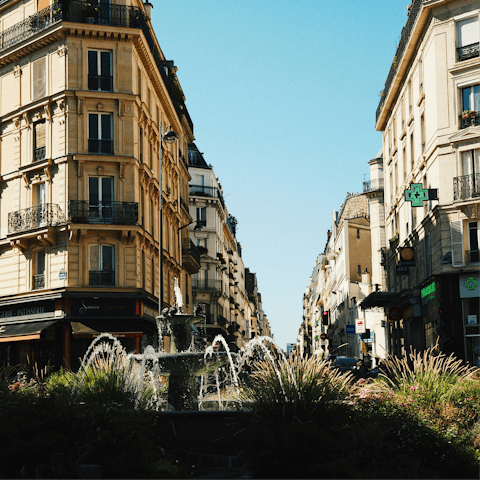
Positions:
{"x": 405, "y": 37}
{"x": 466, "y": 186}
{"x": 189, "y": 248}
{"x": 373, "y": 185}
{"x": 30, "y": 26}
{"x": 46, "y": 215}
{"x": 102, "y": 83}
{"x": 202, "y": 284}
{"x": 473, "y": 256}
{"x": 101, "y": 278}
{"x": 40, "y": 154}
{"x": 202, "y": 191}
{"x": 468, "y": 51}
{"x": 471, "y": 121}
{"x": 100, "y": 146}
{"x": 39, "y": 281}
{"x": 114, "y": 213}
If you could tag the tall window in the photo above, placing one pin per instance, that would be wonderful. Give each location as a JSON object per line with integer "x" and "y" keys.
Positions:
{"x": 100, "y": 71}
{"x": 467, "y": 39}
{"x": 39, "y": 277}
{"x": 40, "y": 201}
{"x": 470, "y": 101}
{"x": 102, "y": 265}
{"x": 202, "y": 216}
{"x": 100, "y": 197}
{"x": 39, "y": 140}
{"x": 473, "y": 242}
{"x": 100, "y": 133}
{"x": 412, "y": 150}
{"x": 39, "y": 84}
{"x": 422, "y": 131}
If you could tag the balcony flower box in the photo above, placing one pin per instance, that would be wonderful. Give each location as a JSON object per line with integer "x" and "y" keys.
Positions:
{"x": 468, "y": 114}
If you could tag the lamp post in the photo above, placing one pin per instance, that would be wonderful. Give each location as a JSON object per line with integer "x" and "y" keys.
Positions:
{"x": 169, "y": 138}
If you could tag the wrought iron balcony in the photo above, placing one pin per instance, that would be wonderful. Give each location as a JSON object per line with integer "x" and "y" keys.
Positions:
{"x": 468, "y": 51}
{"x": 202, "y": 284}
{"x": 114, "y": 213}
{"x": 46, "y": 215}
{"x": 202, "y": 191}
{"x": 466, "y": 187}
{"x": 472, "y": 121}
{"x": 190, "y": 256}
{"x": 100, "y": 82}
{"x": 100, "y": 146}
{"x": 473, "y": 256}
{"x": 100, "y": 278}
{"x": 30, "y": 26}
{"x": 373, "y": 185}
{"x": 40, "y": 154}
{"x": 38, "y": 281}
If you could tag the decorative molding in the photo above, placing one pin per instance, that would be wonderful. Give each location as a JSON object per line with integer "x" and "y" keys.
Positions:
{"x": 25, "y": 180}
{"x": 48, "y": 112}
{"x": 101, "y": 171}
{"x": 100, "y": 107}
{"x": 26, "y": 119}
{"x": 17, "y": 71}
{"x": 62, "y": 50}
{"x": 80, "y": 169}
{"x": 122, "y": 171}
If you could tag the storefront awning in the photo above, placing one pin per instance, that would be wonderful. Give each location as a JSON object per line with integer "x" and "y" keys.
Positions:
{"x": 15, "y": 332}
{"x": 379, "y": 299}
{"x": 93, "y": 328}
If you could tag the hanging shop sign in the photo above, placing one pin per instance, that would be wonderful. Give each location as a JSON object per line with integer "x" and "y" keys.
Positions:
{"x": 469, "y": 286}
{"x": 401, "y": 270}
{"x": 428, "y": 293}
{"x": 417, "y": 195}
{"x": 360, "y": 325}
{"x": 407, "y": 257}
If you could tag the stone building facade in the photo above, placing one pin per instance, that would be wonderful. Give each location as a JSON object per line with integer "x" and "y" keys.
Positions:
{"x": 87, "y": 104}
{"x": 429, "y": 115}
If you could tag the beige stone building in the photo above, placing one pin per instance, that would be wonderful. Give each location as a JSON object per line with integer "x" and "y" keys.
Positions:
{"x": 226, "y": 291}
{"x": 88, "y": 104}
{"x": 429, "y": 115}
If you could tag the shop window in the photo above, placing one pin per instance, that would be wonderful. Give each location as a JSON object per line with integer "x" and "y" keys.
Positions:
{"x": 100, "y": 71}
{"x": 100, "y": 133}
{"x": 102, "y": 265}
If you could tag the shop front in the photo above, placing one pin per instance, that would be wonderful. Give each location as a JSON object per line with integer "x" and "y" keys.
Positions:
{"x": 470, "y": 295}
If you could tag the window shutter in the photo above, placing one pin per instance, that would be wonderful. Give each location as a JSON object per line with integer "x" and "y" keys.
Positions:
{"x": 39, "y": 86}
{"x": 456, "y": 228}
{"x": 94, "y": 258}
{"x": 467, "y": 32}
{"x": 40, "y": 134}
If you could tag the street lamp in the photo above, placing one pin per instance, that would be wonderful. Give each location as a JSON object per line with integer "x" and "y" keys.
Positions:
{"x": 169, "y": 138}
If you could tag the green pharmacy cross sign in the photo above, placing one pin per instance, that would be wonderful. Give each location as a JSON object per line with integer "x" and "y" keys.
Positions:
{"x": 471, "y": 283}
{"x": 417, "y": 195}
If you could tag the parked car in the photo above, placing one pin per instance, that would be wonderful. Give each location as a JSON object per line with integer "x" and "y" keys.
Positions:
{"x": 345, "y": 364}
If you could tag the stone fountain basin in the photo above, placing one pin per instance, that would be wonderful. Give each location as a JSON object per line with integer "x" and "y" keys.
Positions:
{"x": 186, "y": 363}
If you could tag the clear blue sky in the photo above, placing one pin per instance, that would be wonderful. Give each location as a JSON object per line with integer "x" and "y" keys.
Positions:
{"x": 282, "y": 94}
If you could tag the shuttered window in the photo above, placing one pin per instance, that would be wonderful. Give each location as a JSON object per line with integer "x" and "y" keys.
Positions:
{"x": 467, "y": 32}
{"x": 39, "y": 84}
{"x": 100, "y": 71}
{"x": 100, "y": 139}
{"x": 456, "y": 229}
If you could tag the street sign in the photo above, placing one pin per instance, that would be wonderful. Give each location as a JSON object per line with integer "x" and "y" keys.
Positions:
{"x": 360, "y": 325}
{"x": 407, "y": 257}
{"x": 350, "y": 329}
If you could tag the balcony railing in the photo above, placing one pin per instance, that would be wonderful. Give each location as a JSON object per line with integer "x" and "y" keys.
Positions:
{"x": 115, "y": 213}
{"x": 473, "y": 256}
{"x": 373, "y": 185}
{"x": 46, "y": 215}
{"x": 467, "y": 186}
{"x": 189, "y": 248}
{"x": 40, "y": 154}
{"x": 30, "y": 26}
{"x": 202, "y": 190}
{"x": 201, "y": 284}
{"x": 100, "y": 82}
{"x": 39, "y": 281}
{"x": 100, "y": 146}
{"x": 100, "y": 278}
{"x": 468, "y": 51}
{"x": 472, "y": 121}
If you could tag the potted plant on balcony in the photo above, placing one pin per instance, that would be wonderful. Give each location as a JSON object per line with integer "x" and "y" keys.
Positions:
{"x": 90, "y": 12}
{"x": 468, "y": 114}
